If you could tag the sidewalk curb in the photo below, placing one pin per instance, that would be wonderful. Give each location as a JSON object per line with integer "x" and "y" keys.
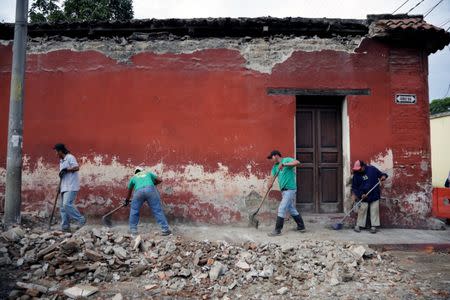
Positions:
{"x": 426, "y": 247}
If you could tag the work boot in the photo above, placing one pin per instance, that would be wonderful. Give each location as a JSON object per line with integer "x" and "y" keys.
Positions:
{"x": 278, "y": 226}
{"x": 300, "y": 225}
{"x": 82, "y": 223}
{"x": 166, "y": 232}
{"x": 66, "y": 229}
{"x": 373, "y": 229}
{"x": 357, "y": 229}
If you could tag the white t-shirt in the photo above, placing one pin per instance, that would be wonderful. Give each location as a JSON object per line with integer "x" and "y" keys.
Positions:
{"x": 70, "y": 181}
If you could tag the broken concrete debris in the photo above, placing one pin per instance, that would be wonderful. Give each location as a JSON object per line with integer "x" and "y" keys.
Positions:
{"x": 80, "y": 291}
{"x": 56, "y": 263}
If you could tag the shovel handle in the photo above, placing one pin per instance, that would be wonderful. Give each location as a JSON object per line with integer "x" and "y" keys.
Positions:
{"x": 114, "y": 210}
{"x": 54, "y": 205}
{"x": 268, "y": 191}
{"x": 362, "y": 198}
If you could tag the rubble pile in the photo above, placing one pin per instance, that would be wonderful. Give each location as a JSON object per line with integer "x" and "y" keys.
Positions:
{"x": 53, "y": 261}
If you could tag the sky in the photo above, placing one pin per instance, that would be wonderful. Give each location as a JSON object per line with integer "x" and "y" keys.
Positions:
{"x": 439, "y": 63}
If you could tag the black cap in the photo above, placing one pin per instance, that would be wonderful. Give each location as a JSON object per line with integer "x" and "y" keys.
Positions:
{"x": 274, "y": 152}
{"x": 60, "y": 147}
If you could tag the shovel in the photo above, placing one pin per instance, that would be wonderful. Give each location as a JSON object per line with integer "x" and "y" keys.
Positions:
{"x": 253, "y": 221}
{"x": 340, "y": 225}
{"x": 54, "y": 205}
{"x": 106, "y": 219}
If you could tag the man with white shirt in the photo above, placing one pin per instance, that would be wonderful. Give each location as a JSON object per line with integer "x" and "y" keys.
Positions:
{"x": 70, "y": 185}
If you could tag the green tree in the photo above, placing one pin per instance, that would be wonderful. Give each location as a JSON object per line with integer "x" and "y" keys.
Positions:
{"x": 81, "y": 10}
{"x": 440, "y": 105}
{"x": 46, "y": 11}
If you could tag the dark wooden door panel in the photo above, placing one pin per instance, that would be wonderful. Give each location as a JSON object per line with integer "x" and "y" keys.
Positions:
{"x": 305, "y": 192}
{"x": 319, "y": 150}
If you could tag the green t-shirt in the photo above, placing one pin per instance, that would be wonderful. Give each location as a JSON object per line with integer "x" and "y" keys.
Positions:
{"x": 286, "y": 178}
{"x": 142, "y": 180}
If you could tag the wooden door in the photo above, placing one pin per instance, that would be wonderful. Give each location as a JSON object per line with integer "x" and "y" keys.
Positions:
{"x": 319, "y": 150}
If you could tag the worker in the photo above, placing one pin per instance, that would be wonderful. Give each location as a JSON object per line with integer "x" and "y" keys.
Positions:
{"x": 143, "y": 188}
{"x": 447, "y": 181}
{"x": 69, "y": 187}
{"x": 365, "y": 177}
{"x": 284, "y": 167}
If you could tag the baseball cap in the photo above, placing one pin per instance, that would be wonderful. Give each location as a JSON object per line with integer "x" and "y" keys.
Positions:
{"x": 358, "y": 165}
{"x": 274, "y": 152}
{"x": 138, "y": 169}
{"x": 60, "y": 147}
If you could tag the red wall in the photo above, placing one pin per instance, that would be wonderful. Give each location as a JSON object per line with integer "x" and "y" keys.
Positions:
{"x": 206, "y": 108}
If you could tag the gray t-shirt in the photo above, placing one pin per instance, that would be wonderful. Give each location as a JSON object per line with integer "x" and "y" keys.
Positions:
{"x": 70, "y": 182}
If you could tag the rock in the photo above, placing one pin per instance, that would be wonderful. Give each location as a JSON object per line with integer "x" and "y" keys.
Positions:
{"x": 217, "y": 270}
{"x": 30, "y": 286}
{"x": 47, "y": 250}
{"x": 33, "y": 292}
{"x": 149, "y": 287}
{"x": 14, "y": 294}
{"x": 80, "y": 291}
{"x": 266, "y": 272}
{"x": 170, "y": 247}
{"x": 334, "y": 281}
{"x": 97, "y": 233}
{"x": 108, "y": 250}
{"x": 5, "y": 261}
{"x": 117, "y": 297}
{"x": 358, "y": 251}
{"x": 136, "y": 242}
{"x": 119, "y": 240}
{"x": 184, "y": 272}
{"x": 14, "y": 234}
{"x": 70, "y": 245}
{"x": 137, "y": 271}
{"x": 101, "y": 273}
{"x": 63, "y": 272}
{"x": 282, "y": 290}
{"x": 92, "y": 255}
{"x": 120, "y": 252}
{"x": 287, "y": 247}
{"x": 241, "y": 264}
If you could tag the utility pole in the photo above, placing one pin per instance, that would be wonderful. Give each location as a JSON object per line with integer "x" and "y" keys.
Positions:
{"x": 13, "y": 197}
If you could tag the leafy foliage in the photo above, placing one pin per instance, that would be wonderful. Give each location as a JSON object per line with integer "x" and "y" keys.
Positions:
{"x": 439, "y": 106}
{"x": 81, "y": 10}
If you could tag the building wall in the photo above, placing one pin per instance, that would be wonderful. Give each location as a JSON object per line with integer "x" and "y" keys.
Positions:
{"x": 197, "y": 113}
{"x": 440, "y": 147}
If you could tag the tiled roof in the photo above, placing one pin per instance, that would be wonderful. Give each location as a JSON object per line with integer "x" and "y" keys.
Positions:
{"x": 406, "y": 24}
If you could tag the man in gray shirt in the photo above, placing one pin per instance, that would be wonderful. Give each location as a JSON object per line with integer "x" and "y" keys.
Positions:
{"x": 70, "y": 185}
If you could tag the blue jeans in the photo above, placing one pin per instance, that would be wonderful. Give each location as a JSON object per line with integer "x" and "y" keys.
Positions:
{"x": 69, "y": 211}
{"x": 150, "y": 195}
{"x": 287, "y": 204}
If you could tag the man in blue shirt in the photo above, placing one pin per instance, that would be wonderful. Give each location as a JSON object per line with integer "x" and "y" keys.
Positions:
{"x": 365, "y": 177}
{"x": 70, "y": 185}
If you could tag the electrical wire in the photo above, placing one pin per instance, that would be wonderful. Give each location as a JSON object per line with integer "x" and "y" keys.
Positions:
{"x": 448, "y": 89}
{"x": 420, "y": 2}
{"x": 400, "y": 6}
{"x": 445, "y": 23}
{"x": 431, "y": 9}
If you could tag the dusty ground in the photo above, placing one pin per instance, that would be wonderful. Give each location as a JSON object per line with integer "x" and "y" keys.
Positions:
{"x": 399, "y": 274}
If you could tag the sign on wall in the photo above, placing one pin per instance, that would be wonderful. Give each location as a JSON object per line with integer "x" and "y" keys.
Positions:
{"x": 405, "y": 99}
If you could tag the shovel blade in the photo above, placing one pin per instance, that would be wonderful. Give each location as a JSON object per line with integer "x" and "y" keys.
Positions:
{"x": 106, "y": 220}
{"x": 337, "y": 226}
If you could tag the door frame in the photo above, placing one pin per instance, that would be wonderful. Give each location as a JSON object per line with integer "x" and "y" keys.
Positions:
{"x": 301, "y": 91}
{"x": 333, "y": 103}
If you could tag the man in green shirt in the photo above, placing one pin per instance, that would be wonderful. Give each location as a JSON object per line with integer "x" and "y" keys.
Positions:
{"x": 143, "y": 184}
{"x": 284, "y": 166}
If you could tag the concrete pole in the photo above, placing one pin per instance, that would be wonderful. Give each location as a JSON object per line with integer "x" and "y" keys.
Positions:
{"x": 15, "y": 127}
